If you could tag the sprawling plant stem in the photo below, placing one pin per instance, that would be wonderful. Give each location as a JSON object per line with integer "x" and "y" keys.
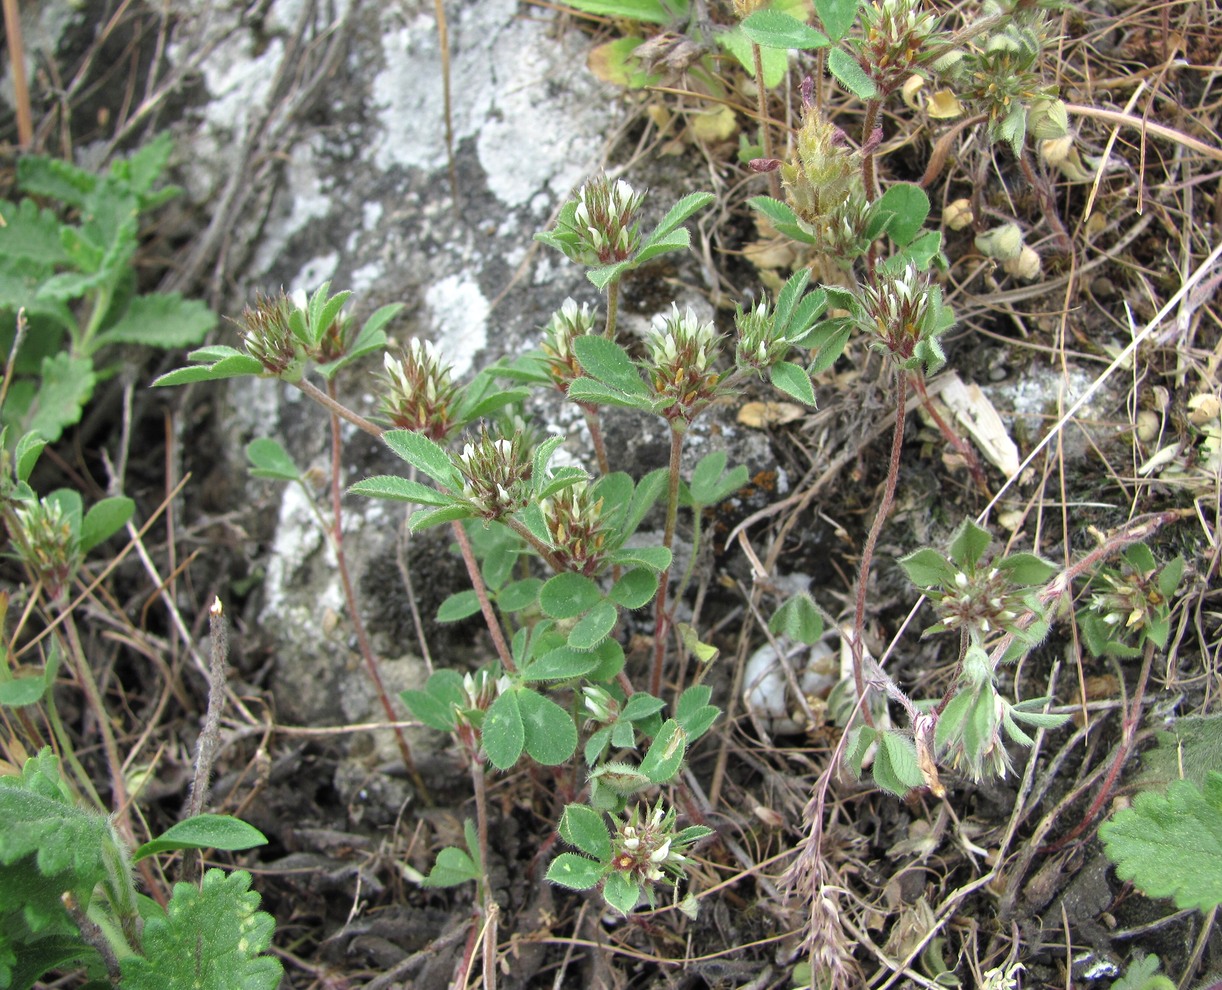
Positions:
{"x": 761, "y": 106}
{"x": 358, "y": 625}
{"x": 867, "y": 146}
{"x": 481, "y": 593}
{"x": 612, "y": 308}
{"x": 594, "y": 425}
{"x": 218, "y": 654}
{"x": 867, "y": 552}
{"x": 660, "y": 625}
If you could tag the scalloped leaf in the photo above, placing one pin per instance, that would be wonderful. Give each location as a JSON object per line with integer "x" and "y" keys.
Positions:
{"x": 1171, "y": 845}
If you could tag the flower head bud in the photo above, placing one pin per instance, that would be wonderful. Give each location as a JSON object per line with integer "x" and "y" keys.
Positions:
{"x": 496, "y": 474}
{"x": 417, "y": 393}
{"x": 573, "y": 517}
{"x": 904, "y": 312}
{"x": 958, "y": 214}
{"x": 760, "y": 345}
{"x": 47, "y": 543}
{"x": 897, "y": 40}
{"x": 268, "y": 336}
{"x": 682, "y": 351}
{"x": 566, "y": 324}
{"x": 601, "y": 228}
{"x": 599, "y": 704}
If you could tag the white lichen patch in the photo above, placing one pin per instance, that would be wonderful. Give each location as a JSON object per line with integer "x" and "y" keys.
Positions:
{"x": 459, "y": 316}
{"x": 503, "y": 73}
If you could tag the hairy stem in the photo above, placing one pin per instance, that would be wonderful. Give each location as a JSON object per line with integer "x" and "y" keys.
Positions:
{"x": 867, "y": 144}
{"x": 612, "y": 308}
{"x": 481, "y": 592}
{"x": 594, "y": 424}
{"x": 541, "y": 548}
{"x": 867, "y": 552}
{"x": 761, "y": 106}
{"x": 337, "y": 408}
{"x": 205, "y": 753}
{"x": 668, "y": 539}
{"x": 358, "y": 626}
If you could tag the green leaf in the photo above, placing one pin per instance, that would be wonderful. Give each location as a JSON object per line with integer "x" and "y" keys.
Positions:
{"x": 424, "y": 455}
{"x": 1171, "y": 846}
{"x": 235, "y": 365}
{"x": 635, "y": 589}
{"x": 575, "y": 872}
{"x": 694, "y": 713}
{"x": 621, "y": 892}
{"x": 568, "y": 595}
{"x": 592, "y": 392}
{"x": 610, "y": 661}
{"x": 778, "y": 30}
{"x": 780, "y": 214}
{"x": 435, "y": 705}
{"x": 850, "y": 74}
{"x": 398, "y": 489}
{"x": 211, "y": 937}
{"x": 655, "y": 558}
{"x": 31, "y": 233}
{"x": 666, "y": 752}
{"x": 926, "y": 568}
{"x": 561, "y": 664}
{"x": 66, "y": 385}
{"x": 518, "y": 595}
{"x": 17, "y": 692}
{"x": 452, "y": 868}
{"x": 793, "y": 381}
{"x": 669, "y": 224}
{"x": 908, "y": 207}
{"x": 604, "y": 276}
{"x": 837, "y": 16}
{"x": 594, "y": 627}
{"x": 160, "y": 320}
{"x": 458, "y": 606}
{"x": 1027, "y": 568}
{"x": 551, "y": 736}
{"x": 648, "y": 11}
{"x": 504, "y": 732}
{"x": 639, "y": 706}
{"x": 828, "y": 341}
{"x": 607, "y": 362}
{"x": 449, "y": 513}
{"x": 968, "y": 544}
{"x": 895, "y": 764}
{"x": 204, "y": 832}
{"x": 597, "y": 744}
{"x": 711, "y": 483}
{"x": 643, "y": 496}
{"x": 774, "y": 61}
{"x": 616, "y": 62}
{"x": 585, "y": 828}
{"x": 25, "y": 456}
{"x": 798, "y": 619}
{"x": 105, "y": 519}
{"x": 269, "y": 459}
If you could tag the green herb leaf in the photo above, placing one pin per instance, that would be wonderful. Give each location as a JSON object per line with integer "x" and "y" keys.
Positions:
{"x": 458, "y": 606}
{"x": 424, "y": 455}
{"x": 209, "y": 936}
{"x": 504, "y": 732}
{"x": 907, "y": 207}
{"x": 610, "y": 364}
{"x": 105, "y": 519}
{"x": 793, "y": 380}
{"x": 968, "y": 544}
{"x": 926, "y": 568}
{"x": 635, "y": 589}
{"x": 594, "y": 627}
{"x": 452, "y": 868}
{"x": 575, "y": 872}
{"x": 837, "y": 16}
{"x": 621, "y": 892}
{"x": 160, "y": 320}
{"x": 666, "y": 752}
{"x": 850, "y": 74}
{"x": 585, "y": 828}
{"x": 778, "y": 30}
{"x": 551, "y": 736}
{"x": 204, "y": 832}
{"x": 568, "y": 595}
{"x": 1171, "y": 845}
{"x": 798, "y": 619}
{"x": 270, "y": 460}
{"x": 655, "y": 558}
{"x": 398, "y": 489}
